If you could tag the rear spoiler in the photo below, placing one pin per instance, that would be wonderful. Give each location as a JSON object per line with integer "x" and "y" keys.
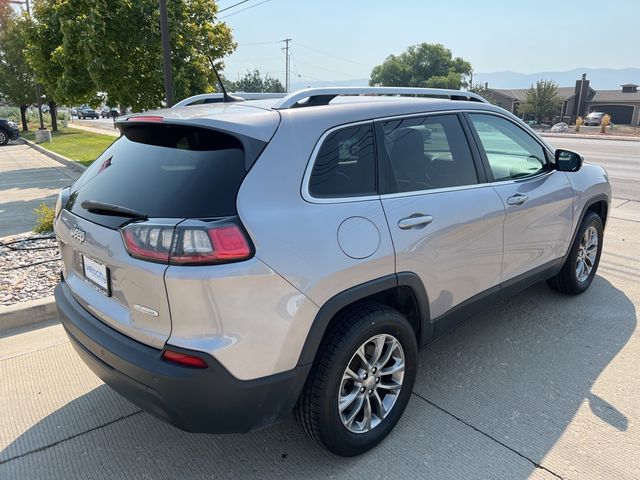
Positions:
{"x": 251, "y": 146}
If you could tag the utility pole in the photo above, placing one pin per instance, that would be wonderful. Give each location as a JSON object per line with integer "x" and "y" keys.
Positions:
{"x": 38, "y": 94}
{"x": 287, "y": 67}
{"x": 166, "y": 53}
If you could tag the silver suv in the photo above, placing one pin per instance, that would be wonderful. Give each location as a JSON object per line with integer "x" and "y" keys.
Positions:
{"x": 227, "y": 263}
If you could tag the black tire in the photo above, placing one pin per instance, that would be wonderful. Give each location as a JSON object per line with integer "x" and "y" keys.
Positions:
{"x": 4, "y": 138}
{"x": 317, "y": 409}
{"x": 567, "y": 280}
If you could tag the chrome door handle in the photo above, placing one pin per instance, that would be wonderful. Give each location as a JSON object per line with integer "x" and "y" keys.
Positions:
{"x": 517, "y": 199}
{"x": 415, "y": 222}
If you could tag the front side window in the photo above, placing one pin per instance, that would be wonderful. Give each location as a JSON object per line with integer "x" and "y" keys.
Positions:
{"x": 345, "y": 165}
{"x": 511, "y": 152}
{"x": 428, "y": 152}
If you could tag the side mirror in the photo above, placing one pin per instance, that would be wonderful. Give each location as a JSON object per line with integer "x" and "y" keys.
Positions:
{"x": 568, "y": 161}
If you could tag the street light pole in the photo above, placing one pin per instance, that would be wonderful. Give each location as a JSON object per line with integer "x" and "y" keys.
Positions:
{"x": 166, "y": 53}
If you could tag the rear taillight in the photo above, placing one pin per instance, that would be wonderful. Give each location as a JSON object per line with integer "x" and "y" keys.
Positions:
{"x": 148, "y": 242}
{"x": 184, "y": 359}
{"x": 194, "y": 243}
{"x": 211, "y": 245}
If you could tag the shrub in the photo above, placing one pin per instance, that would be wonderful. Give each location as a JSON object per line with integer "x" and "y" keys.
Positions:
{"x": 11, "y": 113}
{"x": 604, "y": 123}
{"x": 44, "y": 222}
{"x": 579, "y": 122}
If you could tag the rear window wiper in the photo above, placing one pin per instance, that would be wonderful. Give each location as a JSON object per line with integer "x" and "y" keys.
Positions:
{"x": 104, "y": 208}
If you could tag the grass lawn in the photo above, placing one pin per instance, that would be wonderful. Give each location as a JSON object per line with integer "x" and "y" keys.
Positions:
{"x": 79, "y": 145}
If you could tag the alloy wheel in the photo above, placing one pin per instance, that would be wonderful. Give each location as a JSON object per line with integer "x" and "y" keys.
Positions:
{"x": 587, "y": 253}
{"x": 371, "y": 383}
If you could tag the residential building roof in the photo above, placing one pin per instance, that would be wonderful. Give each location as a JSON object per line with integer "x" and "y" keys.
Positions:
{"x": 615, "y": 96}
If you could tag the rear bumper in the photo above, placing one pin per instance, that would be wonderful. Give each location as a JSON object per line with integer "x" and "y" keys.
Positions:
{"x": 207, "y": 400}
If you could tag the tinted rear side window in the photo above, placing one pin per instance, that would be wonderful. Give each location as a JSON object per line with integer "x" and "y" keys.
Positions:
{"x": 427, "y": 153}
{"x": 164, "y": 171}
{"x": 345, "y": 165}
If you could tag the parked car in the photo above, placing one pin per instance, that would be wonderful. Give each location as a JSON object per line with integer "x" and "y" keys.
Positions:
{"x": 320, "y": 242}
{"x": 594, "y": 118}
{"x": 8, "y": 131}
{"x": 560, "y": 127}
{"x": 105, "y": 112}
{"x": 88, "y": 113}
{"x": 540, "y": 126}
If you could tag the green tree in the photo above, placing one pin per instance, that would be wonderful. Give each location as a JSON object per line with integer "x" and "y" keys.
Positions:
{"x": 422, "y": 65}
{"x": 17, "y": 86}
{"x": 253, "y": 82}
{"x": 542, "y": 100}
{"x": 113, "y": 47}
{"x": 55, "y": 61}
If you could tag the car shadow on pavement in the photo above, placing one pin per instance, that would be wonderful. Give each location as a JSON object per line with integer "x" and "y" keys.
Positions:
{"x": 491, "y": 400}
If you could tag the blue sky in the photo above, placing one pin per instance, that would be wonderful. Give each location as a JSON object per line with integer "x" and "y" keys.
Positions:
{"x": 341, "y": 40}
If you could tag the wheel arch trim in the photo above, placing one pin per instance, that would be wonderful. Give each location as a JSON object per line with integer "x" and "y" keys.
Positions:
{"x": 601, "y": 197}
{"x": 359, "y": 292}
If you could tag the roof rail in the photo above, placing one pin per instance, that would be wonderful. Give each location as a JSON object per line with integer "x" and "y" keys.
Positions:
{"x": 322, "y": 96}
{"x": 218, "y": 98}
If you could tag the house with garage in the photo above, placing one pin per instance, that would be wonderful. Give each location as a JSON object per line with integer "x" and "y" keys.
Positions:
{"x": 623, "y": 104}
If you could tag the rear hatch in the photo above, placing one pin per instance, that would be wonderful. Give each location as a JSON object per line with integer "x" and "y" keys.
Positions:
{"x": 148, "y": 182}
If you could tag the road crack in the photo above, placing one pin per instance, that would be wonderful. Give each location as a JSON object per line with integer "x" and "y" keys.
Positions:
{"x": 46, "y": 447}
{"x": 537, "y": 465}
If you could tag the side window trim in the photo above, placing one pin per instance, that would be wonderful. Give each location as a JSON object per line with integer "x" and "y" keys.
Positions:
{"x": 483, "y": 156}
{"x": 481, "y": 169}
{"x": 382, "y": 159}
{"x": 304, "y": 186}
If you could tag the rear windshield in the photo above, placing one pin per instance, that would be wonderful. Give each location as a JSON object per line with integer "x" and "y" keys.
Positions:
{"x": 166, "y": 172}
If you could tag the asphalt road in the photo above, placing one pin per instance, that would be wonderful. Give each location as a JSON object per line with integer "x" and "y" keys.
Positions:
{"x": 540, "y": 386}
{"x": 620, "y": 158}
{"x": 101, "y": 123}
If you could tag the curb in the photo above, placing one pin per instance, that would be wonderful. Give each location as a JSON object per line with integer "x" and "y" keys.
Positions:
{"x": 54, "y": 156}
{"x": 590, "y": 137}
{"x": 27, "y": 314}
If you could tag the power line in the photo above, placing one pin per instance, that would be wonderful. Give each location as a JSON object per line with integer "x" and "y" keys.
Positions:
{"x": 342, "y": 74}
{"x": 259, "y": 43}
{"x": 243, "y": 9}
{"x": 234, "y": 5}
{"x": 334, "y": 56}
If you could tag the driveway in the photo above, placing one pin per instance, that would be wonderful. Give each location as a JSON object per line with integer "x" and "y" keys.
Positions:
{"x": 539, "y": 386}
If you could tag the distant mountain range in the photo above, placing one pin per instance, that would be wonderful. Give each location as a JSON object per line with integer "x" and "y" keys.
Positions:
{"x": 600, "y": 78}
{"x": 358, "y": 82}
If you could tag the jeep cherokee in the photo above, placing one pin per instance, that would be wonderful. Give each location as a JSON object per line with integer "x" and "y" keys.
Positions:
{"x": 228, "y": 263}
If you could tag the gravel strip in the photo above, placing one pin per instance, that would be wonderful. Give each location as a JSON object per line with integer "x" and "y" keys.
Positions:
{"x": 28, "y": 274}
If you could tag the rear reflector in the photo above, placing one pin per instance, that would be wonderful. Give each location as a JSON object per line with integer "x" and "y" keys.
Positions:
{"x": 184, "y": 359}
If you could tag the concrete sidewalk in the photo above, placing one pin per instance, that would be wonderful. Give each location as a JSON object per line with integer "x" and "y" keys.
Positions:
{"x": 27, "y": 179}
